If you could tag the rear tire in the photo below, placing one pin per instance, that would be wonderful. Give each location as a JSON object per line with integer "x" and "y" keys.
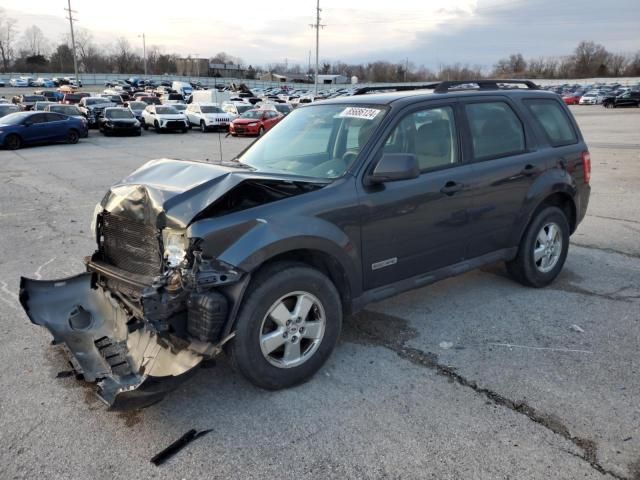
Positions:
{"x": 274, "y": 347}
{"x": 543, "y": 249}
{"x": 72, "y": 137}
{"x": 261, "y": 131}
{"x": 12, "y": 142}
{"x": 144, "y": 125}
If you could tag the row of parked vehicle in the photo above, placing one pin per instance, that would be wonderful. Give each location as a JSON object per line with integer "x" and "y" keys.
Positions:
{"x": 609, "y": 95}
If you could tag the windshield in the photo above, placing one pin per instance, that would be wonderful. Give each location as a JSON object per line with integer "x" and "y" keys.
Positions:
{"x": 318, "y": 141}
{"x": 41, "y": 105}
{"x": 211, "y": 110}
{"x": 65, "y": 109}
{"x": 252, "y": 114}
{"x": 15, "y": 118}
{"x": 243, "y": 108}
{"x": 283, "y": 108}
{"x": 33, "y": 98}
{"x": 166, "y": 110}
{"x": 118, "y": 114}
{"x": 137, "y": 105}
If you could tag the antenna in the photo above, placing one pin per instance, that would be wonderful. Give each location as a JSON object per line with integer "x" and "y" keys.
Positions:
{"x": 317, "y": 26}
{"x": 73, "y": 39}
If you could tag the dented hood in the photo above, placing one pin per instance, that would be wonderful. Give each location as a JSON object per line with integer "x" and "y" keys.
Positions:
{"x": 170, "y": 193}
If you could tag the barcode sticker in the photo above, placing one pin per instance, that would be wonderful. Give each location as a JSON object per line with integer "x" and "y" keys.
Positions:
{"x": 358, "y": 112}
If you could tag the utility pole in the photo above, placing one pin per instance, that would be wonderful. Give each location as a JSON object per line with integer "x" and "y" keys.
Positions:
{"x": 144, "y": 53}
{"x": 317, "y": 26}
{"x": 406, "y": 69}
{"x": 73, "y": 40}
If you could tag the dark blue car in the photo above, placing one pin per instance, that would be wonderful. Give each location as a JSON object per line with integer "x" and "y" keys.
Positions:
{"x": 22, "y": 128}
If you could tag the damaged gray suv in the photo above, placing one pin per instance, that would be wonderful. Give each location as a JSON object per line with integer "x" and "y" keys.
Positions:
{"x": 343, "y": 203}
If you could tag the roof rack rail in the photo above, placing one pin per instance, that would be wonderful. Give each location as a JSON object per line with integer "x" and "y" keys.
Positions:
{"x": 444, "y": 87}
{"x": 396, "y": 88}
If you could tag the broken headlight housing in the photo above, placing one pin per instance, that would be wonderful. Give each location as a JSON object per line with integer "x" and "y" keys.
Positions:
{"x": 175, "y": 243}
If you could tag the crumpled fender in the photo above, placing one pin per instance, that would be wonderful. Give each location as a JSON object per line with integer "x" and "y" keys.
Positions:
{"x": 246, "y": 244}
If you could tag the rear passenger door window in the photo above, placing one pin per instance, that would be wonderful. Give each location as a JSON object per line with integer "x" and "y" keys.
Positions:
{"x": 553, "y": 120}
{"x": 496, "y": 131}
{"x": 428, "y": 134}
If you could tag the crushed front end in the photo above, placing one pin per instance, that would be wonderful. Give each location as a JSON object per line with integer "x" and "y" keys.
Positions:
{"x": 146, "y": 312}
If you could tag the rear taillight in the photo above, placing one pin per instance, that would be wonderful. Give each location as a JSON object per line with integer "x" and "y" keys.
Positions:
{"x": 586, "y": 166}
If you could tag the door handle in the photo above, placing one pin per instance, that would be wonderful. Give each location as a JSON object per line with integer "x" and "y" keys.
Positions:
{"x": 451, "y": 187}
{"x": 529, "y": 170}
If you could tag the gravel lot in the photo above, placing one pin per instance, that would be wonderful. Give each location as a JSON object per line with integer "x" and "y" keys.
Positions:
{"x": 474, "y": 377}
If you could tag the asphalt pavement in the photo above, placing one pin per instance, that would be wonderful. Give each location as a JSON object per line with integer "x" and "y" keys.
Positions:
{"x": 475, "y": 377}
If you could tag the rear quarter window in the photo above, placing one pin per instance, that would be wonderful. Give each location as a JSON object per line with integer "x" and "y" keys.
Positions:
{"x": 553, "y": 120}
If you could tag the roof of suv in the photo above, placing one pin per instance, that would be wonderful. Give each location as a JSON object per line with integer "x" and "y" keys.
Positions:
{"x": 410, "y": 94}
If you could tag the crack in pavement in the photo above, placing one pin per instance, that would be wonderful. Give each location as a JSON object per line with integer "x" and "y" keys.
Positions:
{"x": 614, "y": 219}
{"x": 606, "y": 250}
{"x": 374, "y": 328}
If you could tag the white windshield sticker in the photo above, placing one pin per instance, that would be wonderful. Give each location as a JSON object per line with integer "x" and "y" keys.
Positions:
{"x": 358, "y": 112}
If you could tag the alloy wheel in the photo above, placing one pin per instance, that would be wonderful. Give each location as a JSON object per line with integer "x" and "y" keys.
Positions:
{"x": 292, "y": 329}
{"x": 548, "y": 247}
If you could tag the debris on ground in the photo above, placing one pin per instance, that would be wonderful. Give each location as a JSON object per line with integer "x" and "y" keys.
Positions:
{"x": 178, "y": 445}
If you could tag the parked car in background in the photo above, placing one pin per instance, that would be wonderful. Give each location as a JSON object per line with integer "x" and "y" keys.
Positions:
{"x": 164, "y": 118}
{"x": 627, "y": 99}
{"x": 18, "y": 82}
{"x": 7, "y": 108}
{"x": 171, "y": 98}
{"x": 208, "y": 116}
{"x": 25, "y": 128}
{"x": 71, "y": 98}
{"x": 27, "y": 102}
{"x": 137, "y": 108}
{"x": 69, "y": 110}
{"x": 255, "y": 122}
{"x": 50, "y": 95}
{"x": 571, "y": 99}
{"x": 41, "y": 106}
{"x": 119, "y": 121}
{"x": 93, "y": 107}
{"x": 113, "y": 98}
{"x": 150, "y": 100}
{"x": 283, "y": 108}
{"x": 2, "y": 84}
{"x": 183, "y": 88}
{"x": 589, "y": 98}
{"x": 43, "y": 82}
{"x": 235, "y": 109}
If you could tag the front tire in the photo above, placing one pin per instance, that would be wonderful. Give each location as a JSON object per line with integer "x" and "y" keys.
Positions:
{"x": 543, "y": 249}
{"x": 203, "y": 126}
{"x": 12, "y": 142}
{"x": 287, "y": 327}
{"x": 156, "y": 127}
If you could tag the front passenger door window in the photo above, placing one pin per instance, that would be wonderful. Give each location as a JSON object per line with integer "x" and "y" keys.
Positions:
{"x": 428, "y": 134}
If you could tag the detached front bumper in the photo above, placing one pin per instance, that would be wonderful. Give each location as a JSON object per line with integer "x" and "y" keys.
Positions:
{"x": 131, "y": 364}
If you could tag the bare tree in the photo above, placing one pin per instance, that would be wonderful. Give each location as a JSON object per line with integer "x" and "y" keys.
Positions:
{"x": 34, "y": 41}
{"x": 590, "y": 59}
{"x": 617, "y": 64}
{"x": 7, "y": 39}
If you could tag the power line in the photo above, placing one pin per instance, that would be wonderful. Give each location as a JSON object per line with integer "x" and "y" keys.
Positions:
{"x": 317, "y": 26}
{"x": 73, "y": 39}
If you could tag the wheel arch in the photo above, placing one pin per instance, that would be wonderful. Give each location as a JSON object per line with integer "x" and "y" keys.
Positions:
{"x": 563, "y": 199}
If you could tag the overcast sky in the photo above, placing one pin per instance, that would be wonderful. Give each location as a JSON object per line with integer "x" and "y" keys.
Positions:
{"x": 429, "y": 32}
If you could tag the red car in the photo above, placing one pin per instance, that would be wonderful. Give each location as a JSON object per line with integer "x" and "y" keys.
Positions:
{"x": 571, "y": 99}
{"x": 254, "y": 122}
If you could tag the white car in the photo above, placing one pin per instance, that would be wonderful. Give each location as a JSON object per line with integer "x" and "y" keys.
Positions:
{"x": 208, "y": 116}
{"x": 69, "y": 110}
{"x": 235, "y": 109}
{"x": 589, "y": 98}
{"x": 19, "y": 82}
{"x": 164, "y": 117}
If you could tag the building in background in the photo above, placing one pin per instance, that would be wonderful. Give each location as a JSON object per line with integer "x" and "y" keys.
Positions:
{"x": 201, "y": 67}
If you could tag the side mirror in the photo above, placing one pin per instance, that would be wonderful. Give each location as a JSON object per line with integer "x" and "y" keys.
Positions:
{"x": 393, "y": 167}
